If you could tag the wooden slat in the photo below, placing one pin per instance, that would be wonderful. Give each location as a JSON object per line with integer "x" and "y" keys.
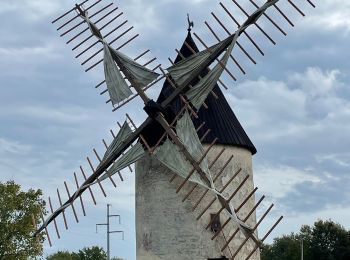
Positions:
{"x": 82, "y": 22}
{"x": 72, "y": 205}
{"x": 267, "y": 234}
{"x": 76, "y": 16}
{"x": 54, "y": 221}
{"x": 98, "y": 181}
{"x": 96, "y": 22}
{"x": 63, "y": 211}
{"x": 270, "y": 19}
{"x": 238, "y": 25}
{"x": 68, "y": 12}
{"x": 257, "y": 25}
{"x": 80, "y": 197}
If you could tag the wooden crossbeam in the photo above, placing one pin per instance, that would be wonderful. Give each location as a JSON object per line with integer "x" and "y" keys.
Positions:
{"x": 238, "y": 25}
{"x": 46, "y": 231}
{"x": 296, "y": 7}
{"x": 236, "y": 210}
{"x": 256, "y": 24}
{"x": 68, "y": 12}
{"x": 245, "y": 219}
{"x": 216, "y": 177}
{"x": 82, "y": 22}
{"x": 283, "y": 15}
{"x": 55, "y": 223}
{"x": 210, "y": 166}
{"x": 87, "y": 29}
{"x": 89, "y": 188}
{"x": 231, "y": 197}
{"x": 264, "y": 238}
{"x": 247, "y": 238}
{"x": 109, "y": 176}
{"x": 72, "y": 205}
{"x": 63, "y": 211}
{"x": 76, "y": 16}
{"x": 104, "y": 36}
{"x": 270, "y": 19}
{"x": 98, "y": 180}
{"x": 80, "y": 197}
{"x": 194, "y": 168}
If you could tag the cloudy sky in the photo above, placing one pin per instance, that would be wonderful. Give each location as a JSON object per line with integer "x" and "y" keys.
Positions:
{"x": 294, "y": 105}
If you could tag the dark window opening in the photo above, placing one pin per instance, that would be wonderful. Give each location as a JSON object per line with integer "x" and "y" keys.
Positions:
{"x": 215, "y": 222}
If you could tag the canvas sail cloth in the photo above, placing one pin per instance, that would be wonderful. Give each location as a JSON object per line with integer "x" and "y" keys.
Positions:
{"x": 118, "y": 88}
{"x": 132, "y": 155}
{"x": 193, "y": 65}
{"x": 135, "y": 153}
{"x": 171, "y": 157}
{"x": 123, "y": 133}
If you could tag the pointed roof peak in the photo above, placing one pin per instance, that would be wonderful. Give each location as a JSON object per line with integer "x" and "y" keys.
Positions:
{"x": 219, "y": 117}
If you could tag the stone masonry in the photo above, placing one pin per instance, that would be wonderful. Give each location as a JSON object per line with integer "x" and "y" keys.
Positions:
{"x": 167, "y": 228}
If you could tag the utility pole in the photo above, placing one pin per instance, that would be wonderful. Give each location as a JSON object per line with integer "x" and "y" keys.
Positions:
{"x": 108, "y": 230}
{"x": 302, "y": 249}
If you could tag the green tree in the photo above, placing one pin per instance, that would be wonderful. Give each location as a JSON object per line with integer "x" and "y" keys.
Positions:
{"x": 90, "y": 253}
{"x": 16, "y": 210}
{"x": 325, "y": 240}
{"x": 61, "y": 255}
{"x": 87, "y": 253}
{"x": 285, "y": 247}
{"x": 330, "y": 241}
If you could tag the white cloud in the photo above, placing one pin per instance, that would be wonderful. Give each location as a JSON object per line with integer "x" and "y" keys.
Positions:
{"x": 330, "y": 15}
{"x": 60, "y": 115}
{"x": 342, "y": 160}
{"x": 23, "y": 54}
{"x": 278, "y": 180}
{"x": 13, "y": 147}
{"x": 303, "y": 105}
{"x": 31, "y": 9}
{"x": 316, "y": 83}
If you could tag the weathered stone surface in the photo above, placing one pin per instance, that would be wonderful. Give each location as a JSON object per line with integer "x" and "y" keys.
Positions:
{"x": 167, "y": 228}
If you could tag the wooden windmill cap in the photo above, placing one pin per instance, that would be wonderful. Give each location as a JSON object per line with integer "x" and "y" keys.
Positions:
{"x": 219, "y": 116}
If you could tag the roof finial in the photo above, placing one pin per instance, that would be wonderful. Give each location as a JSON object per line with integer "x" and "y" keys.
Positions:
{"x": 190, "y": 23}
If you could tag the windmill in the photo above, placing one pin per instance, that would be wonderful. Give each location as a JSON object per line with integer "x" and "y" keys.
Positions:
{"x": 173, "y": 148}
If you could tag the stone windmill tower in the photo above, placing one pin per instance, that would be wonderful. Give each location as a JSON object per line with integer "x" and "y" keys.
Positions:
{"x": 195, "y": 196}
{"x": 166, "y": 228}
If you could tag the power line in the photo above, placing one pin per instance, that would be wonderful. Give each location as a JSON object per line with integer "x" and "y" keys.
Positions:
{"x": 108, "y": 232}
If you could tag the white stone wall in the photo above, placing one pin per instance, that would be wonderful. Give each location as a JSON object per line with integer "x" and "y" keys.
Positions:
{"x": 166, "y": 227}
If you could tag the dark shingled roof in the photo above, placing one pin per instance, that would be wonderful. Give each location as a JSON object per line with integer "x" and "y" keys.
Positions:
{"x": 219, "y": 116}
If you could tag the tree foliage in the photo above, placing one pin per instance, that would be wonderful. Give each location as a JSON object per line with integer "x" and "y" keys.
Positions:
{"x": 87, "y": 253}
{"x": 60, "y": 255}
{"x": 325, "y": 240}
{"x": 16, "y": 210}
{"x": 90, "y": 253}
